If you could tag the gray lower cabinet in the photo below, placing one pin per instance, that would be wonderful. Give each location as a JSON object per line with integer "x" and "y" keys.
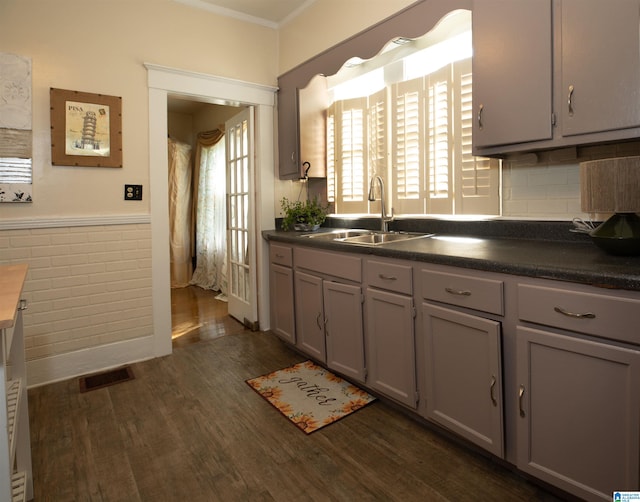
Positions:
{"x": 329, "y": 323}
{"x": 390, "y": 337}
{"x": 463, "y": 375}
{"x": 579, "y": 413}
{"x": 544, "y": 374}
{"x": 344, "y": 329}
{"x": 390, "y": 329}
{"x": 281, "y": 292}
{"x": 310, "y": 316}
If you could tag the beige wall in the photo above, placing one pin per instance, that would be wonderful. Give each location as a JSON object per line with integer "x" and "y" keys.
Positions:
{"x": 100, "y": 47}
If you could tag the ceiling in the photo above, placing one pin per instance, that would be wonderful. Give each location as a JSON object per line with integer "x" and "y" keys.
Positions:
{"x": 271, "y": 13}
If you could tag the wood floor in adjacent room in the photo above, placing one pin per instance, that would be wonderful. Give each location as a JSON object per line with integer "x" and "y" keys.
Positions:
{"x": 188, "y": 428}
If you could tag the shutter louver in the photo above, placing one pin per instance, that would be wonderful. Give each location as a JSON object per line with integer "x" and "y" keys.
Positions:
{"x": 440, "y": 140}
{"x": 331, "y": 157}
{"x": 351, "y": 157}
{"x": 408, "y": 158}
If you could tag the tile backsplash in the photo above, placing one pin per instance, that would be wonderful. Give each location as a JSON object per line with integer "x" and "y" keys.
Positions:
{"x": 546, "y": 185}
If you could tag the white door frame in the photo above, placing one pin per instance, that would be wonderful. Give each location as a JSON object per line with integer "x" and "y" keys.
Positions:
{"x": 163, "y": 81}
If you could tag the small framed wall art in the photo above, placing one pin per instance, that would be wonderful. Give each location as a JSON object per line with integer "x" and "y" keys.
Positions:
{"x": 86, "y": 129}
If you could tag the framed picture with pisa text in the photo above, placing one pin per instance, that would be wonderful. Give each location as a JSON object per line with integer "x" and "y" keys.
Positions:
{"x": 86, "y": 129}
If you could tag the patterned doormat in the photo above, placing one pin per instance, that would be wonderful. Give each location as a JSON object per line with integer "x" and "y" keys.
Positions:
{"x": 309, "y": 395}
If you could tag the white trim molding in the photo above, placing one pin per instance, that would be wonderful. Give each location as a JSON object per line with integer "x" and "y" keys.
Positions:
{"x": 74, "y": 221}
{"x": 93, "y": 360}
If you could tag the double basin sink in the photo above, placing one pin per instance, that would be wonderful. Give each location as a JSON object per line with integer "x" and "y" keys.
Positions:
{"x": 366, "y": 237}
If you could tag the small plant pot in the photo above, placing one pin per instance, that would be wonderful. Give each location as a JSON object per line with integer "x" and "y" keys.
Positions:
{"x": 305, "y": 227}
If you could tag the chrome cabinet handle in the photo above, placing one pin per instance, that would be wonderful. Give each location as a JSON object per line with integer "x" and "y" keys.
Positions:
{"x": 23, "y": 304}
{"x": 570, "y": 100}
{"x": 520, "y": 399}
{"x": 318, "y": 320}
{"x": 387, "y": 277}
{"x": 575, "y": 315}
{"x": 491, "y": 390}
{"x": 459, "y": 292}
{"x": 480, "y": 110}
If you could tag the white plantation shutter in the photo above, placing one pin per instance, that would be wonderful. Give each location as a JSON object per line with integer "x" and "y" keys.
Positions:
{"x": 407, "y": 147}
{"x": 351, "y": 156}
{"x": 377, "y": 140}
{"x": 331, "y": 155}
{"x": 477, "y": 178}
{"x": 377, "y": 117}
{"x": 439, "y": 139}
{"x": 424, "y": 126}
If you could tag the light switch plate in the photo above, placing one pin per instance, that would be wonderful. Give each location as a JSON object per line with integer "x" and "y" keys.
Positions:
{"x": 133, "y": 192}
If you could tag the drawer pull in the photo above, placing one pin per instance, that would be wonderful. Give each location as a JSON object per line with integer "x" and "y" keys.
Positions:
{"x": 458, "y": 292}
{"x": 575, "y": 315}
{"x": 491, "y": 389}
{"x": 279, "y": 256}
{"x": 520, "y": 399}
{"x": 385, "y": 277}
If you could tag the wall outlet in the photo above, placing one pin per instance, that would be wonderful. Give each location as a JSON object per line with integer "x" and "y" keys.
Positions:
{"x": 133, "y": 192}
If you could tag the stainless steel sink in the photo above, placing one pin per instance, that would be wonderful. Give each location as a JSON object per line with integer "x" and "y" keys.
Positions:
{"x": 338, "y": 235}
{"x": 379, "y": 238}
{"x": 365, "y": 237}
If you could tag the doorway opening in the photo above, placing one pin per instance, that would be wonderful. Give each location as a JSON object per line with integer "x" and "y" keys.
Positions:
{"x": 163, "y": 82}
{"x": 197, "y": 217}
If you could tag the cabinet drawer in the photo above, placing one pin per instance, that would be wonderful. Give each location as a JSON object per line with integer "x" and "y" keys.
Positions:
{"x": 339, "y": 265}
{"x": 282, "y": 255}
{"x": 607, "y": 316}
{"x": 463, "y": 290}
{"x": 390, "y": 276}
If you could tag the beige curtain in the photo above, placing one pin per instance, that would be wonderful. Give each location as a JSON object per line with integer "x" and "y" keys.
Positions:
{"x": 210, "y": 213}
{"x": 180, "y": 213}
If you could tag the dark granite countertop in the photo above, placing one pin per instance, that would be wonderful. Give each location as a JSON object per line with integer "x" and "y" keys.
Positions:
{"x": 533, "y": 249}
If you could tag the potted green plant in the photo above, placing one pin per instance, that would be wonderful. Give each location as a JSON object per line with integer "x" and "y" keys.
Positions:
{"x": 306, "y": 216}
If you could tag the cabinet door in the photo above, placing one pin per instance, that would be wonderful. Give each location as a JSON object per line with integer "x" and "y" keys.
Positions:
{"x": 288, "y": 155}
{"x": 309, "y": 315}
{"x": 313, "y": 102}
{"x": 512, "y": 72}
{"x": 282, "y": 303}
{"x": 390, "y": 344}
{"x": 579, "y": 418}
{"x": 343, "y": 329}
{"x": 464, "y": 375}
{"x": 600, "y": 65}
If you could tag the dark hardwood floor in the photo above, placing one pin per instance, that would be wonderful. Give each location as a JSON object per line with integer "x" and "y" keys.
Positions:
{"x": 188, "y": 428}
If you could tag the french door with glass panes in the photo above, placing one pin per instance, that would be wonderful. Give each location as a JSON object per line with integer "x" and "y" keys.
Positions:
{"x": 241, "y": 246}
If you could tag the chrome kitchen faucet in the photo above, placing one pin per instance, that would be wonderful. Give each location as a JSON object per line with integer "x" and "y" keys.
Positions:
{"x": 384, "y": 219}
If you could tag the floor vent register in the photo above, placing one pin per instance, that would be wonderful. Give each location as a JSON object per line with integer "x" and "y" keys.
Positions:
{"x": 106, "y": 378}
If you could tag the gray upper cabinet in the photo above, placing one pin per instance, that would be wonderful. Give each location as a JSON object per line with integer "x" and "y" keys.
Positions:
{"x": 600, "y": 60}
{"x": 302, "y": 128}
{"x": 554, "y": 74}
{"x": 512, "y": 81}
{"x": 288, "y": 150}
